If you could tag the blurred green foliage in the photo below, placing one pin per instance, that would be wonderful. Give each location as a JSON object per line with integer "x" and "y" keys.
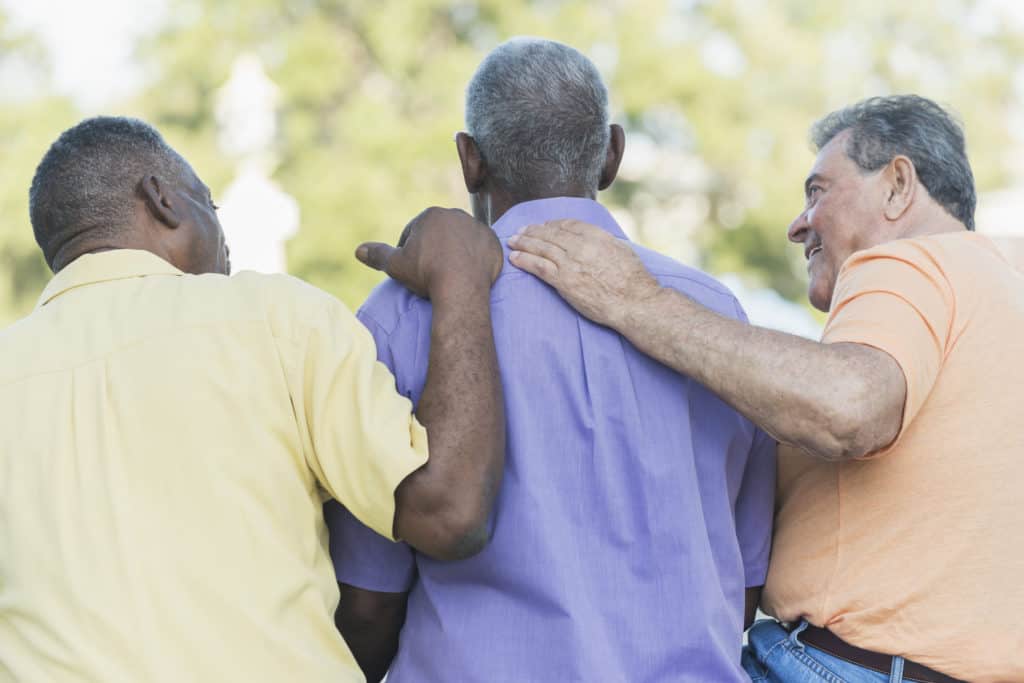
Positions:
{"x": 28, "y": 123}
{"x": 716, "y": 98}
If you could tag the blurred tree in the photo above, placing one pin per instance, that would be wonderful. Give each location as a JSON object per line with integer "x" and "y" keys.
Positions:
{"x": 716, "y": 98}
{"x": 30, "y": 118}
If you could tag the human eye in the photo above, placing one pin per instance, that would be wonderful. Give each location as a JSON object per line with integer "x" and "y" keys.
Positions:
{"x": 812, "y": 193}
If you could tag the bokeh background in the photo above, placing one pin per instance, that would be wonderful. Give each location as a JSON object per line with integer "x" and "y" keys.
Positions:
{"x": 321, "y": 124}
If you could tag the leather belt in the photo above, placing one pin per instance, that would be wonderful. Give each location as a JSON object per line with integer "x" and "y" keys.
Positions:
{"x": 826, "y": 641}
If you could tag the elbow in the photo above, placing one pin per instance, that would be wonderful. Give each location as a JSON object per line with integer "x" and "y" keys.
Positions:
{"x": 447, "y": 518}
{"x": 858, "y": 410}
{"x": 843, "y": 436}
{"x": 856, "y": 425}
{"x": 459, "y": 536}
{"x": 839, "y": 445}
{"x": 445, "y": 530}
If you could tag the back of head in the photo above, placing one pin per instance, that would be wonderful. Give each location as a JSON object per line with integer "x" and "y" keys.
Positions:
{"x": 538, "y": 111}
{"x": 86, "y": 186}
{"x": 885, "y": 127}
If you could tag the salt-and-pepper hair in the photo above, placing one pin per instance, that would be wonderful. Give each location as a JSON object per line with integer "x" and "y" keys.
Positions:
{"x": 538, "y": 111}
{"x": 918, "y": 128}
{"x": 87, "y": 183}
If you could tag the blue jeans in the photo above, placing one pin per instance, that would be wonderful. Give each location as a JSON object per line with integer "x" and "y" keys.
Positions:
{"x": 774, "y": 654}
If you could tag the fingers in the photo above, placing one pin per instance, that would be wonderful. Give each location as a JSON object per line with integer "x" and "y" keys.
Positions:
{"x": 575, "y": 227}
{"x": 535, "y": 265}
{"x": 538, "y": 246}
{"x": 375, "y": 254}
{"x": 565, "y": 232}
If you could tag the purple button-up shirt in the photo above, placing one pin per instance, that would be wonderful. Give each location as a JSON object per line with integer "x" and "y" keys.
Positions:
{"x": 636, "y": 506}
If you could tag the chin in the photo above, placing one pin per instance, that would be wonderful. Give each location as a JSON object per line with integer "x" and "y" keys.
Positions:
{"x": 819, "y": 300}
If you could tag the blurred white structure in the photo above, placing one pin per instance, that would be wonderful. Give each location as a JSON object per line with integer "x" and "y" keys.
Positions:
{"x": 767, "y": 308}
{"x": 257, "y": 215}
{"x": 1000, "y": 215}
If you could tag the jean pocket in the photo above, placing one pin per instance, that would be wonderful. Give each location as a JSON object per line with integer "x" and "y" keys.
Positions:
{"x": 813, "y": 670}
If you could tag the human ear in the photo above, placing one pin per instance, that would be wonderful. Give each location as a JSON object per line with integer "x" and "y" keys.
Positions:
{"x": 616, "y": 148}
{"x": 154, "y": 193}
{"x": 474, "y": 168}
{"x": 900, "y": 178}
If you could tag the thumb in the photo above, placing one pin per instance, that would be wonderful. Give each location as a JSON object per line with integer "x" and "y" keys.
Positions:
{"x": 375, "y": 254}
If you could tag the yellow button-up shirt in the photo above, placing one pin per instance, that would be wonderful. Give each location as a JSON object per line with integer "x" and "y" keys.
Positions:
{"x": 166, "y": 442}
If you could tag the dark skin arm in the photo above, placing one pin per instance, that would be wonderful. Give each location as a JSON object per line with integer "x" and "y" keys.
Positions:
{"x": 370, "y": 623}
{"x": 752, "y": 600}
{"x": 441, "y": 509}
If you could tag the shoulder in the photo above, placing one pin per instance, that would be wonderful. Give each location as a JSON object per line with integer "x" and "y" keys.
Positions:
{"x": 904, "y": 266}
{"x": 292, "y": 307}
{"x": 696, "y": 284}
{"x": 920, "y": 250}
{"x": 945, "y": 253}
{"x": 389, "y": 305}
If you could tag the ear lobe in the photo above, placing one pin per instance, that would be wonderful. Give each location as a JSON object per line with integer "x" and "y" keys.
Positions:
{"x": 902, "y": 181}
{"x": 616, "y": 148}
{"x": 154, "y": 194}
{"x": 474, "y": 168}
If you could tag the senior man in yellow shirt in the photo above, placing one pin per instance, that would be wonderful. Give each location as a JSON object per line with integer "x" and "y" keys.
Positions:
{"x": 168, "y": 434}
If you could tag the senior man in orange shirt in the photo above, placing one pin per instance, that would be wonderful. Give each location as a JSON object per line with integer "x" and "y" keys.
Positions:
{"x": 168, "y": 434}
{"x": 897, "y": 553}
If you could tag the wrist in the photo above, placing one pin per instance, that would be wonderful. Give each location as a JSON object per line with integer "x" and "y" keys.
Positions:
{"x": 644, "y": 306}
{"x": 459, "y": 286}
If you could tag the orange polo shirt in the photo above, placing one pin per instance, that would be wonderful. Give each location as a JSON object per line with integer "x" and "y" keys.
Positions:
{"x": 918, "y": 550}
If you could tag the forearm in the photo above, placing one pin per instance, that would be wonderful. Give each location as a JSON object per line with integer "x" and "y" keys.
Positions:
{"x": 802, "y": 392}
{"x": 371, "y": 623}
{"x": 752, "y": 598}
{"x": 442, "y": 508}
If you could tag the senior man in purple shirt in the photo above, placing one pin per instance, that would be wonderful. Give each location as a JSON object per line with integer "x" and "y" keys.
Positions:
{"x": 635, "y": 512}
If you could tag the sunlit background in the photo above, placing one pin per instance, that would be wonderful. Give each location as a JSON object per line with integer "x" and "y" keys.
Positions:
{"x": 322, "y": 124}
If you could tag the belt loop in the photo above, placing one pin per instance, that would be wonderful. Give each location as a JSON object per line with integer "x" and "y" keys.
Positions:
{"x": 793, "y": 639}
{"x": 896, "y": 674}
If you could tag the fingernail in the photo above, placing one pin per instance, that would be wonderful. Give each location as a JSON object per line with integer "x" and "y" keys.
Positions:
{"x": 361, "y": 253}
{"x": 513, "y": 240}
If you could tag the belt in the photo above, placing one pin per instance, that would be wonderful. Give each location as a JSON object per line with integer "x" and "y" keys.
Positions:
{"x": 826, "y": 641}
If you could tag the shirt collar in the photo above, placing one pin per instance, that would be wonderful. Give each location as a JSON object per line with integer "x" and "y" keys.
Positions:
{"x": 542, "y": 210}
{"x": 103, "y": 266}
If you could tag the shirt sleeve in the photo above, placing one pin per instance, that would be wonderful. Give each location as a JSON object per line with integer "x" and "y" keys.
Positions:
{"x": 896, "y": 298}
{"x": 365, "y": 559}
{"x": 754, "y": 510}
{"x": 362, "y": 558}
{"x": 364, "y": 438}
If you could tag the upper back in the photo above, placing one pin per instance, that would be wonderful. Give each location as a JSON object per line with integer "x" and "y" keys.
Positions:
{"x": 154, "y": 487}
{"x": 619, "y": 474}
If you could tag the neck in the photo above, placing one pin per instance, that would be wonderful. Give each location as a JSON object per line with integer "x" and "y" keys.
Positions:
{"x": 930, "y": 219}
{"x": 491, "y": 205}
{"x": 76, "y": 248}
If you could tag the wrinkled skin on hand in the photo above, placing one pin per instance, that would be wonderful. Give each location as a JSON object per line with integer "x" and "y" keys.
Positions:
{"x": 599, "y": 275}
{"x": 438, "y": 248}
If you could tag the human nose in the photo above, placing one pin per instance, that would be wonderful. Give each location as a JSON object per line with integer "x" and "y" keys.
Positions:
{"x": 797, "y": 231}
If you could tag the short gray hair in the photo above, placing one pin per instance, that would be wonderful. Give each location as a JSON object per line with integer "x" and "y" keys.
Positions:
{"x": 882, "y": 128}
{"x": 538, "y": 111}
{"x": 87, "y": 182}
